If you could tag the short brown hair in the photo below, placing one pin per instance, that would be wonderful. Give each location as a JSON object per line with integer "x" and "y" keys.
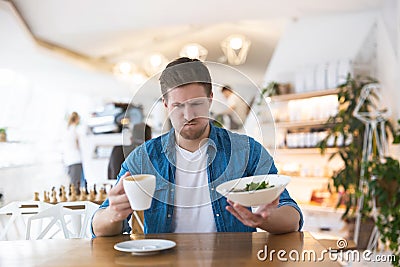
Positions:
{"x": 226, "y": 88}
{"x": 184, "y": 71}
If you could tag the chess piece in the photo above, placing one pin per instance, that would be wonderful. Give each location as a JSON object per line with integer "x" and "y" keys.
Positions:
{"x": 72, "y": 189}
{"x": 53, "y": 196}
{"x": 101, "y": 196}
{"x": 86, "y": 188}
{"x": 95, "y": 189}
{"x": 83, "y": 195}
{"x": 92, "y": 196}
{"x": 36, "y": 196}
{"x": 46, "y": 197}
{"x": 63, "y": 195}
{"x": 107, "y": 187}
{"x": 73, "y": 193}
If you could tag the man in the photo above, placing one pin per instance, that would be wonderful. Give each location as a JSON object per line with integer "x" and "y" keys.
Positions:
{"x": 189, "y": 162}
{"x": 237, "y": 109}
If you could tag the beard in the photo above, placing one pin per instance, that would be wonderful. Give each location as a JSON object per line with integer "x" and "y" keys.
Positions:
{"x": 193, "y": 132}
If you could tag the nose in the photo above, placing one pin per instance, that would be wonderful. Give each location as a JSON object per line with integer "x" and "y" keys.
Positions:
{"x": 188, "y": 113}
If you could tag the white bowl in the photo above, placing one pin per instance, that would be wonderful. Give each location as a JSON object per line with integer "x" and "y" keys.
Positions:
{"x": 256, "y": 197}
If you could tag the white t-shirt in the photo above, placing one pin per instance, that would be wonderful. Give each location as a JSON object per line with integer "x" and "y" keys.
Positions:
{"x": 71, "y": 152}
{"x": 239, "y": 108}
{"x": 193, "y": 211}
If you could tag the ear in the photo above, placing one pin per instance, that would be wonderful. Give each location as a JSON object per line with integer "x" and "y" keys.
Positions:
{"x": 210, "y": 98}
{"x": 165, "y": 102}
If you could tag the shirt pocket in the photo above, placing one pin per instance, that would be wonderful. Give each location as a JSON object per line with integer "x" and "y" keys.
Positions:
{"x": 161, "y": 196}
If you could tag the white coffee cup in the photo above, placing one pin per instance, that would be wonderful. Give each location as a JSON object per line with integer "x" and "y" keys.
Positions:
{"x": 140, "y": 190}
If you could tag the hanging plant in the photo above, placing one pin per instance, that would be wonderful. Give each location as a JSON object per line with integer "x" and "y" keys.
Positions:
{"x": 346, "y": 180}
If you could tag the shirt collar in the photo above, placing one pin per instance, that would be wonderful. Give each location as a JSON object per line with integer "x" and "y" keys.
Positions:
{"x": 168, "y": 143}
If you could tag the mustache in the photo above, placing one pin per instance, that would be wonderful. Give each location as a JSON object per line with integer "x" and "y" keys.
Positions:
{"x": 189, "y": 122}
{"x": 196, "y": 119}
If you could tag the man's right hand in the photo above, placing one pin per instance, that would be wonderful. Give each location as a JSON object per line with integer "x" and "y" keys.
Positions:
{"x": 109, "y": 221}
{"x": 119, "y": 207}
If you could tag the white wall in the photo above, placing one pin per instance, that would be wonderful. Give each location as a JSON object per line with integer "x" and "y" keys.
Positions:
{"x": 37, "y": 90}
{"x": 316, "y": 40}
{"x": 388, "y": 55}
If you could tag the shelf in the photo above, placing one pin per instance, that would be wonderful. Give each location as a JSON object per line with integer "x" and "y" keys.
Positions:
{"x": 295, "y": 96}
{"x": 298, "y": 124}
{"x": 317, "y": 207}
{"x": 321, "y": 178}
{"x": 305, "y": 151}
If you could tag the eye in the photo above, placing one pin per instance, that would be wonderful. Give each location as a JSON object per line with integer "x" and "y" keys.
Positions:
{"x": 197, "y": 103}
{"x": 177, "y": 105}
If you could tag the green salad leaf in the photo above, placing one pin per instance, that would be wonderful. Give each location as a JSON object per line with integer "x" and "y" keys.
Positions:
{"x": 254, "y": 186}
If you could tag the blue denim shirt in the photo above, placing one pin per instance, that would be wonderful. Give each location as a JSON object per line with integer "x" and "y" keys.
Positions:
{"x": 230, "y": 156}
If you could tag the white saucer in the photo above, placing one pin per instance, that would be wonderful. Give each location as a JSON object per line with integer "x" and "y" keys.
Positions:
{"x": 144, "y": 246}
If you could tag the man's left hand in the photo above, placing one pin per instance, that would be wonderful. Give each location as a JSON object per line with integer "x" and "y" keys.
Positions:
{"x": 257, "y": 219}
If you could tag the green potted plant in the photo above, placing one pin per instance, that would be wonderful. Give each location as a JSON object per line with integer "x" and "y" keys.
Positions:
{"x": 274, "y": 88}
{"x": 270, "y": 90}
{"x": 384, "y": 183}
{"x": 396, "y": 135}
{"x": 394, "y": 147}
{"x": 3, "y": 134}
{"x": 346, "y": 180}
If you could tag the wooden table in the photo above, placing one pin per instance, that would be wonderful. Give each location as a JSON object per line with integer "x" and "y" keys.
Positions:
{"x": 214, "y": 249}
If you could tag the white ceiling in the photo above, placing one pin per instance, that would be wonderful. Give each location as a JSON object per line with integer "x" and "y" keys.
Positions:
{"x": 127, "y": 29}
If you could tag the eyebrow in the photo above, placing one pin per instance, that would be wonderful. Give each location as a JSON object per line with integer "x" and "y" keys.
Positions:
{"x": 191, "y": 101}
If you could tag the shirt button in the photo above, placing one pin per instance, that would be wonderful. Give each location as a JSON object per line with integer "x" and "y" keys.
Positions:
{"x": 212, "y": 188}
{"x": 172, "y": 190}
{"x": 169, "y": 215}
{"x": 217, "y": 214}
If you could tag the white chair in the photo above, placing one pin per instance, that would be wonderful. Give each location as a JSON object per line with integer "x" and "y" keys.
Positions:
{"x": 72, "y": 218}
{"x": 13, "y": 217}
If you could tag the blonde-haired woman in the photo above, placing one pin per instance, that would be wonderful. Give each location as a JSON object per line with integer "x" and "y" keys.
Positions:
{"x": 72, "y": 153}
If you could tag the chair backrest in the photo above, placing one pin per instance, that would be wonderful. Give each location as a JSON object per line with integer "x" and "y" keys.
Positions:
{"x": 72, "y": 218}
{"x": 14, "y": 215}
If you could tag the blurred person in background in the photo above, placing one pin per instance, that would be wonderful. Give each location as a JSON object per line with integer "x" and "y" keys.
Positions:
{"x": 237, "y": 109}
{"x": 71, "y": 152}
{"x": 141, "y": 133}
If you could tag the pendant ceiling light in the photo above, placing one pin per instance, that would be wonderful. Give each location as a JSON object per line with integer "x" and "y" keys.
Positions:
{"x": 123, "y": 68}
{"x": 194, "y": 51}
{"x": 236, "y": 48}
{"x": 154, "y": 63}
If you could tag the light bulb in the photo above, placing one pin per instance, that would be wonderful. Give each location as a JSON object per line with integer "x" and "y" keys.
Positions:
{"x": 124, "y": 67}
{"x": 155, "y": 60}
{"x": 236, "y": 43}
{"x": 192, "y": 51}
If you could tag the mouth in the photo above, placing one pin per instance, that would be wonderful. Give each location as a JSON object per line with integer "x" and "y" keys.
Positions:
{"x": 191, "y": 123}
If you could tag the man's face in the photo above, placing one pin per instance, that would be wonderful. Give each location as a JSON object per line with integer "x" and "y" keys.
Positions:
{"x": 188, "y": 108}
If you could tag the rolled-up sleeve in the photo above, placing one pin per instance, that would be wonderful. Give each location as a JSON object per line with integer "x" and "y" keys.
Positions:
{"x": 286, "y": 200}
{"x": 265, "y": 164}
